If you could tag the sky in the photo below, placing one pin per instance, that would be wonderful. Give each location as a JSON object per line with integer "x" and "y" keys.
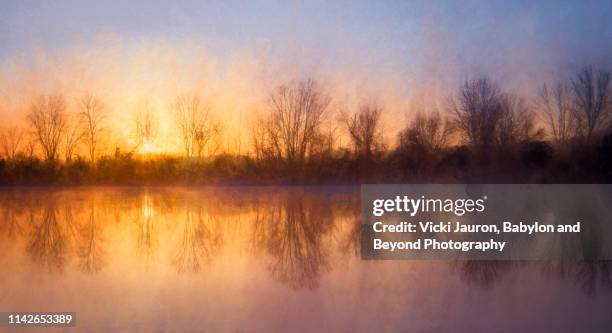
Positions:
{"x": 405, "y": 54}
{"x": 379, "y": 31}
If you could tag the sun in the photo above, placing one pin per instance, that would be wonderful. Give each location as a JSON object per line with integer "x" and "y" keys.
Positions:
{"x": 148, "y": 148}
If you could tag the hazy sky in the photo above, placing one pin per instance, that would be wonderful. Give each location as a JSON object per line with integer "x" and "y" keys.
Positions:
{"x": 478, "y": 35}
{"x": 401, "y": 53}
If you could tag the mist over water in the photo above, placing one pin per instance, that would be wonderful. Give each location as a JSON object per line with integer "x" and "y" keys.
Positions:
{"x": 284, "y": 259}
{"x": 263, "y": 260}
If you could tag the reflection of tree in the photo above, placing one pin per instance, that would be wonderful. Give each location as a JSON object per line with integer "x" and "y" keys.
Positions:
{"x": 48, "y": 243}
{"x": 12, "y": 220}
{"x": 198, "y": 242}
{"x": 483, "y": 273}
{"x": 591, "y": 275}
{"x": 10, "y": 223}
{"x": 90, "y": 248}
{"x": 291, "y": 233}
{"x": 351, "y": 243}
{"x": 348, "y": 225}
{"x": 147, "y": 234}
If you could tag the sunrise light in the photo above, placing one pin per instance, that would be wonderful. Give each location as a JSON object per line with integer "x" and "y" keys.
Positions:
{"x": 306, "y": 166}
{"x": 148, "y": 148}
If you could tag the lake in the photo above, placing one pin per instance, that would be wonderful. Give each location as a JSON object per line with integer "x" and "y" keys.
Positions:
{"x": 262, "y": 259}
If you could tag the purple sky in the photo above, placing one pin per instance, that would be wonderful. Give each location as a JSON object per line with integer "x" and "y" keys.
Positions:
{"x": 477, "y": 35}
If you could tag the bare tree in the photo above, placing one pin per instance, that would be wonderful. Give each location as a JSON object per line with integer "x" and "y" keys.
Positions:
{"x": 48, "y": 121}
{"x": 428, "y": 133}
{"x": 145, "y": 125}
{"x": 477, "y": 111}
{"x": 92, "y": 116}
{"x": 30, "y": 146}
{"x": 208, "y": 139}
{"x": 292, "y": 126}
{"x": 72, "y": 137}
{"x": 323, "y": 144}
{"x": 490, "y": 118}
{"x": 364, "y": 129}
{"x": 591, "y": 100}
{"x": 516, "y": 123}
{"x": 259, "y": 135}
{"x": 196, "y": 124}
{"x": 11, "y": 138}
{"x": 556, "y": 106}
{"x": 422, "y": 141}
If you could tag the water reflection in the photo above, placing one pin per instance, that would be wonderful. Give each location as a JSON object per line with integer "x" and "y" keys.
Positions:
{"x": 90, "y": 243}
{"x": 590, "y": 276}
{"x": 296, "y": 237}
{"x": 146, "y": 234}
{"x": 484, "y": 273}
{"x": 199, "y": 241}
{"x": 49, "y": 238}
{"x": 291, "y": 231}
{"x": 11, "y": 226}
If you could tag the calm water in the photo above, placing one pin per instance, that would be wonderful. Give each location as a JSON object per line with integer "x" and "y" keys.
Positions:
{"x": 262, "y": 260}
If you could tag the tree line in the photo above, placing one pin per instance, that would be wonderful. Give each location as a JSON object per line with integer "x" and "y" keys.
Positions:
{"x": 53, "y": 130}
{"x": 483, "y": 134}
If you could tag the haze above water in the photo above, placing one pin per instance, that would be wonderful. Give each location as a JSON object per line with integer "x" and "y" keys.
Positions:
{"x": 244, "y": 259}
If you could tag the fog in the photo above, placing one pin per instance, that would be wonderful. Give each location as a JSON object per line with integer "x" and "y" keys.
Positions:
{"x": 407, "y": 58}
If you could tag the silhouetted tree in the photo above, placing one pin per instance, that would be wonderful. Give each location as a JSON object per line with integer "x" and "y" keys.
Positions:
{"x": 30, "y": 143}
{"x": 591, "y": 101}
{"x": 145, "y": 124}
{"x": 196, "y": 124}
{"x": 48, "y": 121}
{"x": 292, "y": 127}
{"x": 72, "y": 137}
{"x": 11, "y": 139}
{"x": 364, "y": 129}
{"x": 516, "y": 123}
{"x": 489, "y": 118}
{"x": 92, "y": 116}
{"x": 556, "y": 106}
{"x": 323, "y": 144}
{"x": 427, "y": 132}
{"x": 422, "y": 141}
{"x": 477, "y": 112}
